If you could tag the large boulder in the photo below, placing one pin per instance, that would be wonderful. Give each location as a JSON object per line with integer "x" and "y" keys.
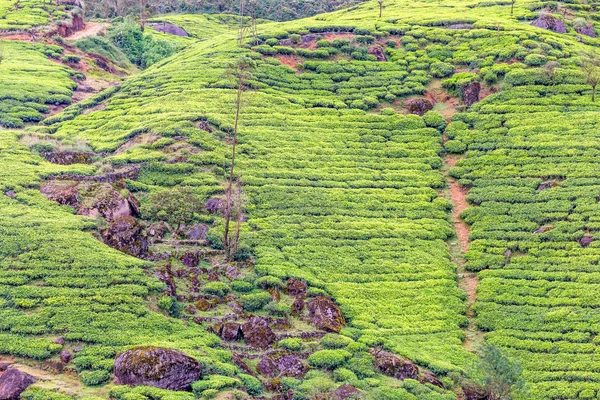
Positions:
{"x": 14, "y": 382}
{"x": 125, "y": 235}
{"x": 64, "y": 193}
{"x": 291, "y": 366}
{"x": 267, "y": 367}
{"x": 377, "y": 51}
{"x": 587, "y": 30}
{"x": 257, "y": 333}
{"x": 171, "y": 29}
{"x": 586, "y": 241}
{"x": 197, "y": 232}
{"x": 471, "y": 93}
{"x": 231, "y": 331}
{"x": 419, "y": 106}
{"x": 549, "y": 22}
{"x": 391, "y": 365}
{"x": 296, "y": 287}
{"x": 472, "y": 391}
{"x": 346, "y": 391}
{"x": 430, "y": 377}
{"x": 103, "y": 199}
{"x": 157, "y": 367}
{"x": 325, "y": 314}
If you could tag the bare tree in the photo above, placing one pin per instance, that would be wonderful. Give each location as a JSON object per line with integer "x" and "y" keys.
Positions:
{"x": 591, "y": 68}
{"x": 380, "y": 8}
{"x": 142, "y": 14}
{"x": 240, "y": 72}
{"x": 242, "y": 27}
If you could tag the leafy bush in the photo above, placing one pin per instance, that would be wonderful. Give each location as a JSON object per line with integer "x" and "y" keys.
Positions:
{"x": 241, "y": 286}
{"x": 329, "y": 359}
{"x": 94, "y": 378}
{"x": 333, "y": 341}
{"x": 253, "y": 386}
{"x": 255, "y": 301}
{"x": 434, "y": 119}
{"x": 269, "y": 282}
{"x": 441, "y": 69}
{"x": 219, "y": 289}
{"x": 292, "y": 344}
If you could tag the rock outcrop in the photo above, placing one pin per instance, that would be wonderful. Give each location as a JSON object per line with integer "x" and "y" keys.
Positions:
{"x": 550, "y": 22}
{"x": 14, "y": 382}
{"x": 471, "y": 93}
{"x": 157, "y": 367}
{"x": 587, "y": 30}
{"x": 377, "y": 51}
{"x": 125, "y": 235}
{"x": 325, "y": 314}
{"x": 391, "y": 365}
{"x": 419, "y": 106}
{"x": 346, "y": 391}
{"x": 257, "y": 333}
{"x": 68, "y": 157}
{"x": 171, "y": 29}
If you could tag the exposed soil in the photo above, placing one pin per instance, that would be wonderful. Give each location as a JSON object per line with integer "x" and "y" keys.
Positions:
{"x": 291, "y": 61}
{"x": 91, "y": 29}
{"x": 458, "y": 196}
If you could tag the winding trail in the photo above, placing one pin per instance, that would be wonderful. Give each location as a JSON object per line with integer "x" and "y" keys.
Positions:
{"x": 90, "y": 29}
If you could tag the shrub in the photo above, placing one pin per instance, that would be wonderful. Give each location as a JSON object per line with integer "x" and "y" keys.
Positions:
{"x": 255, "y": 301}
{"x": 170, "y": 305}
{"x": 71, "y": 59}
{"x": 278, "y": 309}
{"x": 455, "y": 146}
{"x": 434, "y": 119}
{"x": 535, "y": 60}
{"x": 329, "y": 359}
{"x": 344, "y": 375}
{"x": 272, "y": 42}
{"x": 292, "y": 344}
{"x": 241, "y": 286}
{"x": 253, "y": 385}
{"x": 218, "y": 289}
{"x": 441, "y": 69}
{"x": 269, "y": 282}
{"x": 333, "y": 341}
{"x": 243, "y": 254}
{"x": 388, "y": 111}
{"x": 391, "y": 44}
{"x": 365, "y": 39}
{"x": 94, "y": 378}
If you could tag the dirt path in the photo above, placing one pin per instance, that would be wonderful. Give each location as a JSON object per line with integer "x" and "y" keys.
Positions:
{"x": 91, "y": 29}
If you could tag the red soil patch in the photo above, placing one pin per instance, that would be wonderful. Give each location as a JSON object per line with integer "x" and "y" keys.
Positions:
{"x": 458, "y": 196}
{"x": 291, "y": 61}
{"x": 91, "y": 29}
{"x": 21, "y": 36}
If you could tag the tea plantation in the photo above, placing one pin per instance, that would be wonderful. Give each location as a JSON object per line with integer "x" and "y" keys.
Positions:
{"x": 354, "y": 136}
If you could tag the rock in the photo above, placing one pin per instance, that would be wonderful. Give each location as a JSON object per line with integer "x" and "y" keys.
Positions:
{"x": 543, "y": 229}
{"x": 296, "y": 287}
{"x": 165, "y": 275}
{"x": 68, "y": 157}
{"x": 267, "y": 367}
{"x": 291, "y": 366}
{"x": 430, "y": 377}
{"x": 214, "y": 205}
{"x": 547, "y": 185}
{"x": 63, "y": 192}
{"x": 586, "y": 241}
{"x": 157, "y": 367}
{"x": 471, "y": 93}
{"x": 190, "y": 259}
{"x": 134, "y": 204}
{"x": 125, "y": 235}
{"x": 346, "y": 391}
{"x": 10, "y": 194}
{"x": 231, "y": 331}
{"x": 158, "y": 230}
{"x": 549, "y": 22}
{"x": 197, "y": 232}
{"x": 103, "y": 199}
{"x": 377, "y": 51}
{"x": 298, "y": 305}
{"x": 66, "y": 356}
{"x": 587, "y": 30}
{"x": 257, "y": 333}
{"x": 236, "y": 307}
{"x": 205, "y": 126}
{"x": 60, "y": 340}
{"x": 325, "y": 314}
{"x": 169, "y": 28}
{"x": 391, "y": 365}
{"x": 232, "y": 272}
{"x": 14, "y": 382}
{"x": 473, "y": 391}
{"x": 237, "y": 360}
{"x": 190, "y": 309}
{"x": 4, "y": 365}
{"x": 78, "y": 349}
{"x": 203, "y": 305}
{"x": 419, "y": 106}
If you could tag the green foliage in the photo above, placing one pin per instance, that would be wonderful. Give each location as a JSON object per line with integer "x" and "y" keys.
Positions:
{"x": 176, "y": 205}
{"x": 332, "y": 341}
{"x": 255, "y": 301}
{"x": 441, "y": 69}
{"x": 94, "y": 378}
{"x": 269, "y": 282}
{"x": 292, "y": 344}
{"x": 253, "y": 386}
{"x": 329, "y": 359}
{"x": 503, "y": 376}
{"x": 434, "y": 119}
{"x": 219, "y": 289}
{"x": 241, "y": 286}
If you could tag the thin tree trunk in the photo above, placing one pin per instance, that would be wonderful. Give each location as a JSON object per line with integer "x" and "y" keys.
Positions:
{"x": 512, "y": 7}
{"x": 241, "y": 23}
{"x": 228, "y": 205}
{"x": 593, "y": 93}
{"x": 380, "y": 10}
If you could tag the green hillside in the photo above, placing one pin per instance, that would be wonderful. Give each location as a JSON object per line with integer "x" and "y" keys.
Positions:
{"x": 346, "y": 189}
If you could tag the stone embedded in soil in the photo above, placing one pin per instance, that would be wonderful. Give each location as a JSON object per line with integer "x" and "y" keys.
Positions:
{"x": 14, "y": 382}
{"x": 325, "y": 314}
{"x": 214, "y": 205}
{"x": 471, "y": 93}
{"x": 68, "y": 157}
{"x": 64, "y": 193}
{"x": 586, "y": 241}
{"x": 346, "y": 391}
{"x": 60, "y": 340}
{"x": 419, "y": 106}
{"x": 4, "y": 365}
{"x": 392, "y": 365}
{"x": 10, "y": 194}
{"x": 298, "y": 305}
{"x": 197, "y": 232}
{"x": 430, "y": 377}
{"x": 473, "y": 391}
{"x": 157, "y": 367}
{"x": 291, "y": 366}
{"x": 547, "y": 185}
{"x": 231, "y": 331}
{"x": 257, "y": 333}
{"x": 267, "y": 367}
{"x": 125, "y": 235}
{"x": 190, "y": 259}
{"x": 377, "y": 51}
{"x": 549, "y": 22}
{"x": 158, "y": 230}
{"x": 296, "y": 287}
{"x": 203, "y": 305}
{"x": 66, "y": 356}
{"x": 587, "y": 30}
